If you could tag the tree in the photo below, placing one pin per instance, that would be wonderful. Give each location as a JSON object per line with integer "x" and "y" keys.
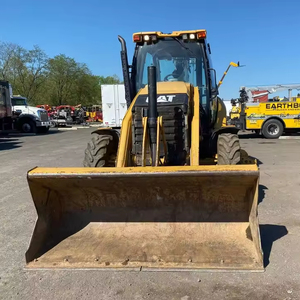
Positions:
{"x": 88, "y": 90}
{"x": 25, "y": 69}
{"x": 55, "y": 81}
{"x": 7, "y": 52}
{"x": 109, "y": 79}
{"x": 64, "y": 72}
{"x": 73, "y": 83}
{"x": 31, "y": 68}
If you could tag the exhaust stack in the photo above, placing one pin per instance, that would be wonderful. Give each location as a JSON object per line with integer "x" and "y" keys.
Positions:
{"x": 152, "y": 111}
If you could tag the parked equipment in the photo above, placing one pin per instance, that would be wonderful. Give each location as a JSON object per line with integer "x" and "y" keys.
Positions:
{"x": 94, "y": 113}
{"x": 172, "y": 191}
{"x": 271, "y": 117}
{"x": 44, "y": 106}
{"x": 62, "y": 116}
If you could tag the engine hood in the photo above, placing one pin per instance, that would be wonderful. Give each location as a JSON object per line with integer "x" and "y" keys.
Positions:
{"x": 167, "y": 93}
{"x": 169, "y": 87}
{"x": 27, "y": 109}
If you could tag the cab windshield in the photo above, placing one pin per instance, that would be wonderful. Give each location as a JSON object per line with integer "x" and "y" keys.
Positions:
{"x": 18, "y": 101}
{"x": 175, "y": 60}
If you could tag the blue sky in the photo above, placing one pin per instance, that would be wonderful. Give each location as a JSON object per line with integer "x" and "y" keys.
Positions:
{"x": 264, "y": 35}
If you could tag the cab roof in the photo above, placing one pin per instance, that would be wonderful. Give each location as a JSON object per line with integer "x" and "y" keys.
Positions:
{"x": 153, "y": 36}
{"x": 18, "y": 97}
{"x": 173, "y": 34}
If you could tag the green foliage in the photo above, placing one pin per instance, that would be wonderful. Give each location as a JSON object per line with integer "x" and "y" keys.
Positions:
{"x": 109, "y": 79}
{"x": 54, "y": 81}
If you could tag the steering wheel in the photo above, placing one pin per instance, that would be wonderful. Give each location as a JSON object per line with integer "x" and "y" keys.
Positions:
{"x": 167, "y": 77}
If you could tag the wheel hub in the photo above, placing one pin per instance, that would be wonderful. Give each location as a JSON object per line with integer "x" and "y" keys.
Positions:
{"x": 273, "y": 129}
{"x": 26, "y": 127}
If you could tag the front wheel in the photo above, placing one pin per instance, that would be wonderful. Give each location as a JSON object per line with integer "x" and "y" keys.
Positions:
{"x": 101, "y": 151}
{"x": 27, "y": 126}
{"x": 272, "y": 129}
{"x": 229, "y": 150}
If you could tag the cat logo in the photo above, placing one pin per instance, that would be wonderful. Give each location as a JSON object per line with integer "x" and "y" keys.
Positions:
{"x": 164, "y": 98}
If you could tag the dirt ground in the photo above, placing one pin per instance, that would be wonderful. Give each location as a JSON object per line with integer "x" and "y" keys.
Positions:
{"x": 279, "y": 216}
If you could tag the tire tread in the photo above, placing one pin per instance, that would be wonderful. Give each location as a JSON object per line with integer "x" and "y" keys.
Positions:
{"x": 100, "y": 152}
{"x": 229, "y": 150}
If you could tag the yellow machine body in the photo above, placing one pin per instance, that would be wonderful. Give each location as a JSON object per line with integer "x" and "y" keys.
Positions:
{"x": 182, "y": 217}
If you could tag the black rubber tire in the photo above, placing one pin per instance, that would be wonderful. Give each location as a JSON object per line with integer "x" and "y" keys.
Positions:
{"x": 229, "y": 150}
{"x": 31, "y": 125}
{"x": 101, "y": 151}
{"x": 266, "y": 129}
{"x": 53, "y": 124}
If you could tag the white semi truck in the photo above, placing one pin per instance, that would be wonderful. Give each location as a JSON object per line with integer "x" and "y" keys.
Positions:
{"x": 16, "y": 114}
{"x": 30, "y": 119}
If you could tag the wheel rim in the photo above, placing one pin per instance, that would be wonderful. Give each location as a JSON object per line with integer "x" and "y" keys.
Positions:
{"x": 26, "y": 127}
{"x": 273, "y": 129}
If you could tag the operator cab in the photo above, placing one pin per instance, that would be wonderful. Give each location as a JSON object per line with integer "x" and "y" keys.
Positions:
{"x": 179, "y": 56}
{"x": 174, "y": 59}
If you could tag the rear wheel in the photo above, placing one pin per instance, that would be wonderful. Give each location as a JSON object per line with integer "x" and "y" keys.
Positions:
{"x": 101, "y": 151}
{"x": 272, "y": 129}
{"x": 229, "y": 150}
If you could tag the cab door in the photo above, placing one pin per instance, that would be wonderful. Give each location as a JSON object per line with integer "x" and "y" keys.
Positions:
{"x": 297, "y": 121}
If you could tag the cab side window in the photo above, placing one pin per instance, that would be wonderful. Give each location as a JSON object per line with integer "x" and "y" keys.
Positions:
{"x": 202, "y": 84}
{"x": 148, "y": 62}
{"x": 212, "y": 73}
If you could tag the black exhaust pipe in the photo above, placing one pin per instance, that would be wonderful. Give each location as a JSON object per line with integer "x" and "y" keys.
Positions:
{"x": 125, "y": 68}
{"x": 152, "y": 111}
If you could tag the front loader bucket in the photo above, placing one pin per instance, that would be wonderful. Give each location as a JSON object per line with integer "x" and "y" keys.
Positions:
{"x": 202, "y": 217}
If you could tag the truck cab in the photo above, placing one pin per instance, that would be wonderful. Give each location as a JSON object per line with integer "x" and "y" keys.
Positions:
{"x": 30, "y": 118}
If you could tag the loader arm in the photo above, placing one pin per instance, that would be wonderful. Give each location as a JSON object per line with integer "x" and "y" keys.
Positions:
{"x": 232, "y": 64}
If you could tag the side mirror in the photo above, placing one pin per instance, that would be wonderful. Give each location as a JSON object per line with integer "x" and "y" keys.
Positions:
{"x": 214, "y": 85}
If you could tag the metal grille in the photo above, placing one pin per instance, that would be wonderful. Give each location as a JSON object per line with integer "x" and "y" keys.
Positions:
{"x": 44, "y": 116}
{"x": 174, "y": 127}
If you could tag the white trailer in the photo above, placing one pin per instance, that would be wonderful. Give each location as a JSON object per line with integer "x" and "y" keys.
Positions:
{"x": 228, "y": 106}
{"x": 113, "y": 104}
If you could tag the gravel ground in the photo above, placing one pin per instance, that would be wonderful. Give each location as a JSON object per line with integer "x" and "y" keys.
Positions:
{"x": 279, "y": 215}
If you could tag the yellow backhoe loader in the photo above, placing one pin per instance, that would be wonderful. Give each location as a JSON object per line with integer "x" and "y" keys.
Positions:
{"x": 173, "y": 190}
